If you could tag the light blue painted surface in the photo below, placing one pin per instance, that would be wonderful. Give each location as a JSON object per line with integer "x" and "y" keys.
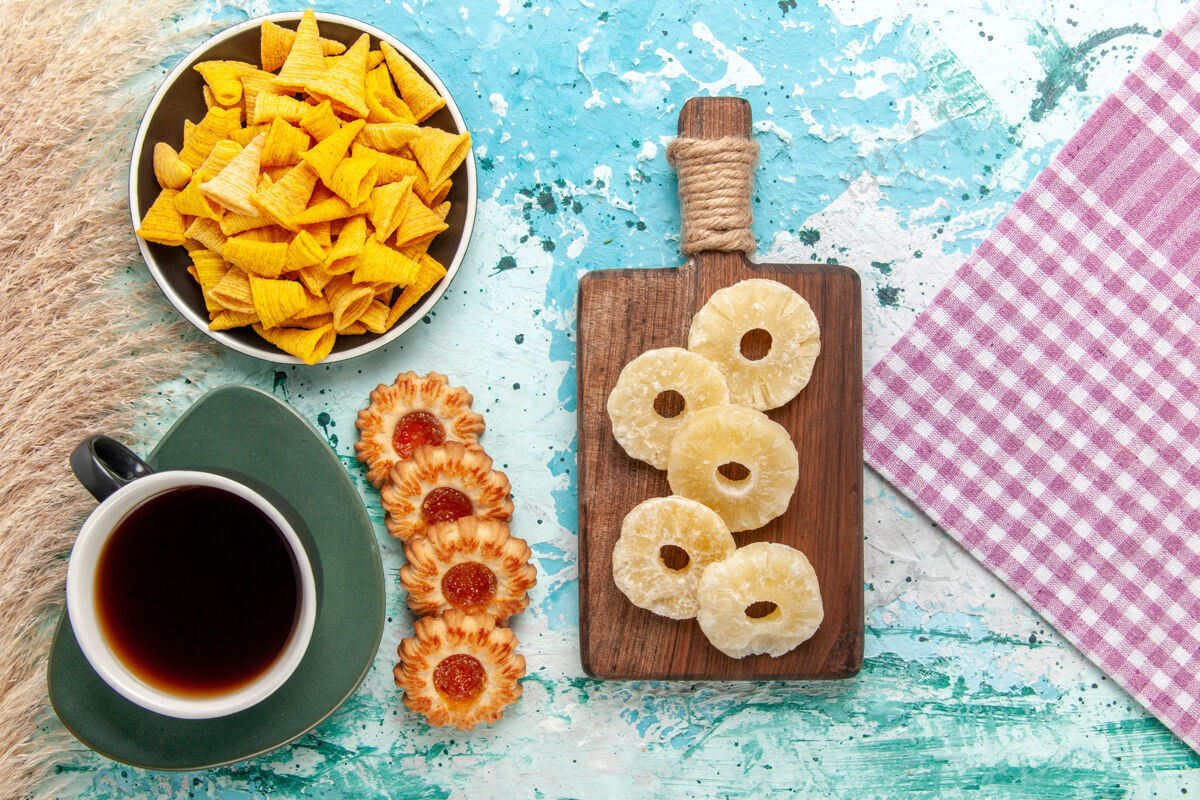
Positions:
{"x": 893, "y": 136}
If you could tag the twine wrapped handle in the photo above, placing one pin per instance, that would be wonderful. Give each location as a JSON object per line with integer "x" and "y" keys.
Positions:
{"x": 716, "y": 180}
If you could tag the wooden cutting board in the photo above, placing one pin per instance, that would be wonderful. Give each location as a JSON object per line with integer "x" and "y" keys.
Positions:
{"x": 623, "y": 313}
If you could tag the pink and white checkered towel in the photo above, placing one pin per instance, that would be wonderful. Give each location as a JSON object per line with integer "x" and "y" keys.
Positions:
{"x": 1044, "y": 408}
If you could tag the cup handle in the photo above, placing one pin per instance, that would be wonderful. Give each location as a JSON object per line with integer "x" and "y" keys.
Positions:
{"x": 103, "y": 465}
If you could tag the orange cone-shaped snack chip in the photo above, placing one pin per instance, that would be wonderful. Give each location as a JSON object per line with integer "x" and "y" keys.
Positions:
{"x": 276, "y": 300}
{"x": 374, "y": 319}
{"x": 391, "y": 168}
{"x": 383, "y": 104}
{"x": 388, "y": 203}
{"x": 316, "y": 321}
{"x": 347, "y": 299}
{"x": 219, "y": 157}
{"x": 288, "y": 196}
{"x": 233, "y": 292}
{"x": 310, "y": 346}
{"x": 320, "y": 121}
{"x": 163, "y": 223}
{"x": 354, "y": 179}
{"x": 211, "y": 102}
{"x": 208, "y": 233}
{"x": 253, "y": 83}
{"x": 233, "y": 224}
{"x": 171, "y": 171}
{"x": 285, "y": 144}
{"x": 324, "y": 156}
{"x": 233, "y": 185}
{"x": 419, "y": 222}
{"x": 276, "y": 42}
{"x": 245, "y": 136}
{"x": 431, "y": 195}
{"x": 321, "y": 232}
{"x": 348, "y": 247}
{"x": 215, "y": 126}
{"x": 192, "y": 202}
{"x": 315, "y": 305}
{"x": 208, "y": 268}
{"x": 440, "y": 152}
{"x": 428, "y": 275}
{"x": 388, "y": 136}
{"x": 224, "y": 79}
{"x": 328, "y": 207}
{"x": 256, "y": 256}
{"x": 303, "y": 251}
{"x": 422, "y": 98}
{"x": 228, "y": 319}
{"x": 344, "y": 85}
{"x": 277, "y": 106}
{"x": 305, "y": 62}
{"x": 314, "y": 278}
{"x": 383, "y": 264}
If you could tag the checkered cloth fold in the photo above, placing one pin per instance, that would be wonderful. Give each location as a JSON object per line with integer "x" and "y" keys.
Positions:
{"x": 1043, "y": 409}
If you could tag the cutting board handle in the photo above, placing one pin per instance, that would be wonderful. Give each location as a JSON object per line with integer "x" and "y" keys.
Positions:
{"x": 712, "y": 118}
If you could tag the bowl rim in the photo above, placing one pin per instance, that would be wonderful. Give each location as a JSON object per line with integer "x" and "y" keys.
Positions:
{"x": 267, "y": 351}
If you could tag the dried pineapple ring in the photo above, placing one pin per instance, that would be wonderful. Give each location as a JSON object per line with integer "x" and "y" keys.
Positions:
{"x": 638, "y": 565}
{"x": 761, "y": 572}
{"x": 638, "y": 427}
{"x": 716, "y": 437}
{"x": 732, "y": 313}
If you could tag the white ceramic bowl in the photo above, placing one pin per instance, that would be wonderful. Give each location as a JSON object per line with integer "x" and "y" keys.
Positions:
{"x": 180, "y": 97}
{"x": 82, "y": 611}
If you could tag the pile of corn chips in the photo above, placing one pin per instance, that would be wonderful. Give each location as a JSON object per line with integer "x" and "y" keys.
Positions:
{"x": 308, "y": 195}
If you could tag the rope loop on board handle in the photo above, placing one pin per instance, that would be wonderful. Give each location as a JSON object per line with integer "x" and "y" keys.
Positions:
{"x": 716, "y": 181}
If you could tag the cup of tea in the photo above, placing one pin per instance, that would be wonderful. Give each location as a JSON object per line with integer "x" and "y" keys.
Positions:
{"x": 189, "y": 593}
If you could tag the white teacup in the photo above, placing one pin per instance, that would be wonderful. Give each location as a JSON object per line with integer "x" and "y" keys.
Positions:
{"x": 124, "y": 483}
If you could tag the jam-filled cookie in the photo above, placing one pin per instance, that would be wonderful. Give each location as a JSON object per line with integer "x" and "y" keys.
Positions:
{"x": 441, "y": 484}
{"x": 470, "y": 564}
{"x": 413, "y": 411}
{"x": 459, "y": 669}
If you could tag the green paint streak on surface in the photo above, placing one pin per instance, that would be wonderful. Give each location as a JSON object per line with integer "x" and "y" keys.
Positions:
{"x": 1068, "y": 66}
{"x": 954, "y": 91}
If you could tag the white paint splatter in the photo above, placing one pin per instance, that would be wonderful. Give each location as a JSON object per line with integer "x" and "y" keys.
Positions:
{"x": 767, "y": 126}
{"x": 739, "y": 73}
{"x": 499, "y": 104}
{"x": 648, "y": 152}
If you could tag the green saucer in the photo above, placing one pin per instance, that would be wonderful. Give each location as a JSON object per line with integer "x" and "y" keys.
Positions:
{"x": 248, "y": 435}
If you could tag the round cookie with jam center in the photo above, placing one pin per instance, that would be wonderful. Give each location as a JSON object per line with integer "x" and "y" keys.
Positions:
{"x": 413, "y": 411}
{"x": 459, "y": 669}
{"x": 442, "y": 484}
{"x": 470, "y": 564}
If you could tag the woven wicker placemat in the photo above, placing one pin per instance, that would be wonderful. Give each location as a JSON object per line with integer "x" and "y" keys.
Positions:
{"x": 81, "y": 341}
